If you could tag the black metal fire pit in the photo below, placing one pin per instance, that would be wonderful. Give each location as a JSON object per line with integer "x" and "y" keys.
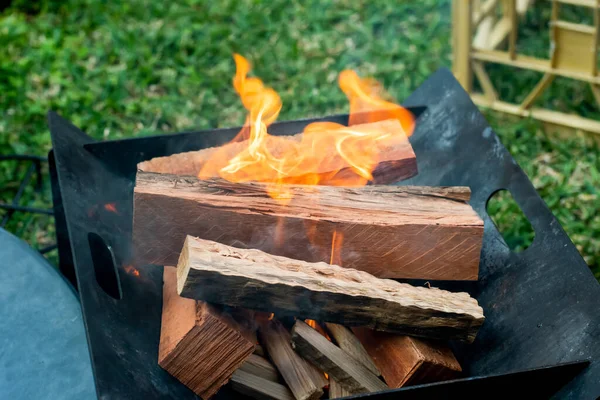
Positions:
{"x": 543, "y": 315}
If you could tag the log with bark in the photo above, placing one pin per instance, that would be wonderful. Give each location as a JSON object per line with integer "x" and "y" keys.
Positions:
{"x": 405, "y": 360}
{"x": 388, "y": 231}
{"x": 257, "y": 280}
{"x": 394, "y": 156}
{"x": 200, "y": 344}
{"x": 300, "y": 376}
{"x": 348, "y": 372}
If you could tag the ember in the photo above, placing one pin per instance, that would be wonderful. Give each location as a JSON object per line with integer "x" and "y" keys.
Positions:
{"x": 131, "y": 270}
{"x": 112, "y": 207}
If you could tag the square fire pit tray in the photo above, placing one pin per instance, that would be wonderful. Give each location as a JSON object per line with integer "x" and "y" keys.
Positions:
{"x": 541, "y": 305}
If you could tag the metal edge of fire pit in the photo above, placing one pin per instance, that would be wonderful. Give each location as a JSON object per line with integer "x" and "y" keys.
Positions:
{"x": 542, "y": 383}
{"x": 540, "y": 304}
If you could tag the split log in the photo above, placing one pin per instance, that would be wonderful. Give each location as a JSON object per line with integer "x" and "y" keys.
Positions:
{"x": 259, "y": 388}
{"x": 317, "y": 376}
{"x": 336, "y": 390}
{"x": 261, "y": 367}
{"x": 388, "y": 231}
{"x": 348, "y": 342}
{"x": 405, "y": 360}
{"x": 295, "y": 371}
{"x": 227, "y": 275}
{"x": 200, "y": 344}
{"x": 395, "y": 157}
{"x": 348, "y": 372}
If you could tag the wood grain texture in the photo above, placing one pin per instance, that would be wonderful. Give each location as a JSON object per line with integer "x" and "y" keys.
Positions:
{"x": 261, "y": 367}
{"x": 200, "y": 345}
{"x": 336, "y": 390}
{"x": 257, "y": 280}
{"x": 348, "y": 372}
{"x": 395, "y": 158}
{"x": 347, "y": 341}
{"x": 295, "y": 371}
{"x": 405, "y": 360}
{"x": 388, "y": 231}
{"x": 259, "y": 388}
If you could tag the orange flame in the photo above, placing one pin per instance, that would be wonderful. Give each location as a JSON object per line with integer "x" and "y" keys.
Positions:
{"x": 324, "y": 149}
{"x": 313, "y": 324}
{"x": 336, "y": 248}
{"x": 131, "y": 270}
{"x": 112, "y": 207}
{"x": 367, "y": 103}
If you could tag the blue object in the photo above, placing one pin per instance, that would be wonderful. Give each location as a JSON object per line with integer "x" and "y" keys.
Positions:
{"x": 43, "y": 347}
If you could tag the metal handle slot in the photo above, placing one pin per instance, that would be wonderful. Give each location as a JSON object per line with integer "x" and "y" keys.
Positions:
{"x": 500, "y": 204}
{"x": 105, "y": 269}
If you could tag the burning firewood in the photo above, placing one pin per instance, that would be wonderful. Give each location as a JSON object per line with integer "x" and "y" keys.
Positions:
{"x": 388, "y": 231}
{"x": 394, "y": 158}
{"x": 405, "y": 360}
{"x": 348, "y": 342}
{"x": 297, "y": 373}
{"x": 348, "y": 372}
{"x": 200, "y": 345}
{"x": 259, "y": 388}
{"x": 254, "y": 279}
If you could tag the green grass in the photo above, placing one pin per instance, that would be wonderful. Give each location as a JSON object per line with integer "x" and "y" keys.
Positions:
{"x": 119, "y": 70}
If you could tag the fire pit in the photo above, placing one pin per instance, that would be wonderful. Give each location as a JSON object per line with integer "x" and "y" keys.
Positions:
{"x": 542, "y": 318}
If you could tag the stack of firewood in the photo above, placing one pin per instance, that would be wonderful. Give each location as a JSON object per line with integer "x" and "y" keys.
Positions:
{"x": 256, "y": 300}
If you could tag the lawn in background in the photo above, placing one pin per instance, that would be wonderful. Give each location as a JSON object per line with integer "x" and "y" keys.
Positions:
{"x": 133, "y": 68}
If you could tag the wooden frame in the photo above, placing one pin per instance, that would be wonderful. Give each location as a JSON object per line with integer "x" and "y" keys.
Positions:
{"x": 478, "y": 31}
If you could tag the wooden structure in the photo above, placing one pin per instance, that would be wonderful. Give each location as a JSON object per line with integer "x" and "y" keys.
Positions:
{"x": 230, "y": 276}
{"x": 200, "y": 344}
{"x": 396, "y": 159}
{"x": 406, "y": 360}
{"x": 347, "y": 371}
{"x": 478, "y": 33}
{"x": 411, "y": 232}
{"x": 300, "y": 376}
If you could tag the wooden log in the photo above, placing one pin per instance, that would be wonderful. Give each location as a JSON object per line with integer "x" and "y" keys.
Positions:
{"x": 336, "y": 390}
{"x": 258, "y": 387}
{"x": 295, "y": 371}
{"x": 348, "y": 372}
{"x": 405, "y": 360}
{"x": 313, "y": 324}
{"x": 200, "y": 345}
{"x": 348, "y": 342}
{"x": 227, "y": 275}
{"x": 395, "y": 157}
{"x": 317, "y": 376}
{"x": 261, "y": 367}
{"x": 388, "y": 231}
